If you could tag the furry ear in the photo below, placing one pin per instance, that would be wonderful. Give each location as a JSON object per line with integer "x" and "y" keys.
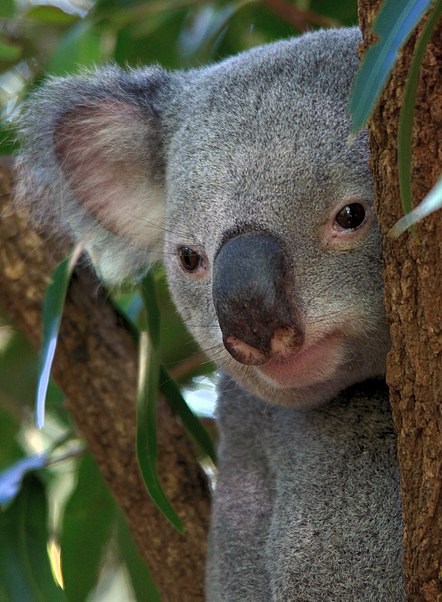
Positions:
{"x": 93, "y": 163}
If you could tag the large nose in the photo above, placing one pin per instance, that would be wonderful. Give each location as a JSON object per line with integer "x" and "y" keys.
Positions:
{"x": 252, "y": 295}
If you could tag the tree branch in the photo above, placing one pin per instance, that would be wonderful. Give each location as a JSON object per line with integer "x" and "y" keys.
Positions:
{"x": 95, "y": 366}
{"x": 413, "y": 285}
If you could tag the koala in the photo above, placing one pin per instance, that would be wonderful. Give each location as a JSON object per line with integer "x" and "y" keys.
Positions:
{"x": 241, "y": 178}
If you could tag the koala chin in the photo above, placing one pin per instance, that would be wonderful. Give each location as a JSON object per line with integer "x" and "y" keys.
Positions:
{"x": 241, "y": 178}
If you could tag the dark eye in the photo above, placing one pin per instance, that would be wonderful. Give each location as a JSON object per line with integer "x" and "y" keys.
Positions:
{"x": 351, "y": 216}
{"x": 190, "y": 260}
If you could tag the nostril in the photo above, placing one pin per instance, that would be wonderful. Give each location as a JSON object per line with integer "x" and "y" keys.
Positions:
{"x": 244, "y": 353}
{"x": 286, "y": 340}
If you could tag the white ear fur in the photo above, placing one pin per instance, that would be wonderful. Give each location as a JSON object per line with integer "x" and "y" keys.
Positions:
{"x": 106, "y": 154}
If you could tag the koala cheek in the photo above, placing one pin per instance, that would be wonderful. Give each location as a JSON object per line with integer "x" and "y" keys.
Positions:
{"x": 192, "y": 297}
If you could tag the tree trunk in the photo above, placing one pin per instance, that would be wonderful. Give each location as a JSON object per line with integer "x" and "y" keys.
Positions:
{"x": 96, "y": 368}
{"x": 413, "y": 285}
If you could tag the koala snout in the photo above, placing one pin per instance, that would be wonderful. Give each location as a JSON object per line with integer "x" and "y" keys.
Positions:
{"x": 256, "y": 313}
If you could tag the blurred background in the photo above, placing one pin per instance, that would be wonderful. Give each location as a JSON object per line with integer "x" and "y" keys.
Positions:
{"x": 57, "y": 37}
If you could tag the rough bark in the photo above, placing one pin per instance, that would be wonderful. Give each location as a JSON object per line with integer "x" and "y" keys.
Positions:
{"x": 413, "y": 285}
{"x": 95, "y": 366}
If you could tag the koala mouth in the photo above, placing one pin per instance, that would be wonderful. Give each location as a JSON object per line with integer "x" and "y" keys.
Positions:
{"x": 309, "y": 365}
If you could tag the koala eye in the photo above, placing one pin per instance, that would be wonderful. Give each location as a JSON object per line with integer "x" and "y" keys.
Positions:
{"x": 190, "y": 260}
{"x": 351, "y": 216}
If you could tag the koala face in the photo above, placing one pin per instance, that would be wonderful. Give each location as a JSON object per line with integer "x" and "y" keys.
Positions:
{"x": 275, "y": 267}
{"x": 242, "y": 178}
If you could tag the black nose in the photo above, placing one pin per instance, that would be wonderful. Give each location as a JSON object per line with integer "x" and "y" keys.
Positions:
{"x": 252, "y": 294}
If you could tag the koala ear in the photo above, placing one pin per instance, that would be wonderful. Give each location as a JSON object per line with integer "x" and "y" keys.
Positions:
{"x": 93, "y": 163}
{"x": 109, "y": 157}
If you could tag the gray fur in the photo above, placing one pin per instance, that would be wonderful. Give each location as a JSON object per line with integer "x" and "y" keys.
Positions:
{"x": 307, "y": 505}
{"x": 320, "y": 519}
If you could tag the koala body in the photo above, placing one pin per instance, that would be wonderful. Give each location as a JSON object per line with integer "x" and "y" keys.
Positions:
{"x": 307, "y": 505}
{"x": 241, "y": 178}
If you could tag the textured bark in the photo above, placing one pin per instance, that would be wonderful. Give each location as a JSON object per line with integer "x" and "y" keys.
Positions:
{"x": 96, "y": 368}
{"x": 413, "y": 285}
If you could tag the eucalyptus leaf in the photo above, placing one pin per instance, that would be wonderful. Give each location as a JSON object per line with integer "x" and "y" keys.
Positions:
{"x": 346, "y": 11}
{"x": 50, "y": 15}
{"x": 9, "y": 51}
{"x": 7, "y": 8}
{"x": 52, "y": 314}
{"x": 141, "y": 579}
{"x": 25, "y": 572}
{"x": 9, "y": 429}
{"x": 191, "y": 423}
{"x": 394, "y": 24}
{"x": 129, "y": 308}
{"x": 88, "y": 521}
{"x": 431, "y": 202}
{"x": 82, "y": 46}
{"x": 148, "y": 387}
{"x": 199, "y": 38}
{"x": 11, "y": 478}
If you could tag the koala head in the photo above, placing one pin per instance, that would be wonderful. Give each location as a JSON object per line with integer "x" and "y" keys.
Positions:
{"x": 240, "y": 177}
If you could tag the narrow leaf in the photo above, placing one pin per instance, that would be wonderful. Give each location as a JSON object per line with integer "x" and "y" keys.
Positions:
{"x": 9, "y": 51}
{"x": 53, "y": 15}
{"x": 52, "y": 314}
{"x": 394, "y": 24}
{"x": 25, "y": 573}
{"x": 140, "y": 576}
{"x": 191, "y": 423}
{"x": 88, "y": 521}
{"x": 7, "y": 8}
{"x": 207, "y": 25}
{"x": 11, "y": 478}
{"x": 82, "y": 45}
{"x": 431, "y": 202}
{"x": 148, "y": 387}
{"x": 11, "y": 451}
{"x": 167, "y": 385}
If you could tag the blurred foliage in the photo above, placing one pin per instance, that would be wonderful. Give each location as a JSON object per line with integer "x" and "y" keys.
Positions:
{"x": 67, "y": 503}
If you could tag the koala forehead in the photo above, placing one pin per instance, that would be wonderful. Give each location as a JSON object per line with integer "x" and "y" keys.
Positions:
{"x": 264, "y": 133}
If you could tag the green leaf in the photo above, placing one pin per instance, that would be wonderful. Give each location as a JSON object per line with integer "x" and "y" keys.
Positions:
{"x": 148, "y": 387}
{"x": 431, "y": 202}
{"x": 18, "y": 370}
{"x": 52, "y": 314}
{"x": 50, "y": 15}
{"x": 129, "y": 308}
{"x": 394, "y": 24}
{"x": 7, "y": 8}
{"x": 8, "y": 141}
{"x": 200, "y": 38}
{"x": 11, "y": 478}
{"x": 81, "y": 47}
{"x": 346, "y": 11}
{"x": 10, "y": 450}
{"x": 25, "y": 573}
{"x": 88, "y": 520}
{"x": 140, "y": 576}
{"x": 152, "y": 314}
{"x": 191, "y": 423}
{"x": 9, "y": 51}
{"x": 405, "y": 132}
